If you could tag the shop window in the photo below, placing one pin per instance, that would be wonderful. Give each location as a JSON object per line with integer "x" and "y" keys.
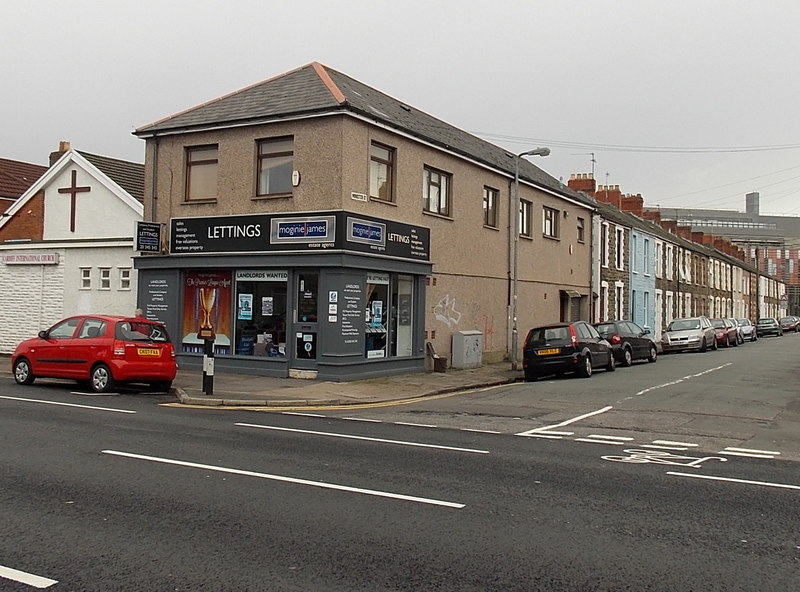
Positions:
{"x": 402, "y": 316}
{"x": 376, "y": 315}
{"x": 261, "y": 313}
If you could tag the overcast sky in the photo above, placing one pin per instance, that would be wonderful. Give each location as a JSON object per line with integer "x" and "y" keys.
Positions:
{"x": 691, "y": 103}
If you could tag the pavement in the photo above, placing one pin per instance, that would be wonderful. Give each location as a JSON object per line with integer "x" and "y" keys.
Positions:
{"x": 241, "y": 390}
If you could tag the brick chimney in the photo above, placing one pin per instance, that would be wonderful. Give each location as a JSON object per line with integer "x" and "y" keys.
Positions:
{"x": 633, "y": 204}
{"x": 582, "y": 182}
{"x": 684, "y": 231}
{"x": 609, "y": 194}
{"x": 63, "y": 146}
{"x": 670, "y": 225}
{"x": 708, "y": 240}
{"x": 652, "y": 215}
{"x": 698, "y": 237}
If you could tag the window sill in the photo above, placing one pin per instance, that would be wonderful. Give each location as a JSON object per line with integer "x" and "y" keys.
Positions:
{"x": 191, "y": 202}
{"x": 435, "y": 215}
{"x": 387, "y": 202}
{"x": 272, "y": 196}
{"x": 490, "y": 227}
{"x": 552, "y": 238}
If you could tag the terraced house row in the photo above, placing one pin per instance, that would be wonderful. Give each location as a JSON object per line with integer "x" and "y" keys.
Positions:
{"x": 312, "y": 226}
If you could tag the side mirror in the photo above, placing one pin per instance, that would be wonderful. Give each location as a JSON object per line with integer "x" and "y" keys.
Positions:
{"x": 42, "y": 334}
{"x": 646, "y": 332}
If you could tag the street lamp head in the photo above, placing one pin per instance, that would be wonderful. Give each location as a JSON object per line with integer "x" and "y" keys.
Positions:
{"x": 537, "y": 152}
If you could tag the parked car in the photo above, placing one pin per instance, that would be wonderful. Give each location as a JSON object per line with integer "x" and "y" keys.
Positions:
{"x": 100, "y": 351}
{"x": 565, "y": 347}
{"x": 790, "y": 323}
{"x": 629, "y": 341}
{"x": 748, "y": 330}
{"x": 691, "y": 333}
{"x": 725, "y": 333}
{"x": 739, "y": 336}
{"x": 768, "y": 326}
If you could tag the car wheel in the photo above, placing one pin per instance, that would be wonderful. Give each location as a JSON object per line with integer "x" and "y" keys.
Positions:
{"x": 653, "y": 354}
{"x": 23, "y": 373}
{"x": 585, "y": 371}
{"x": 735, "y": 342}
{"x": 530, "y": 377}
{"x": 627, "y": 357}
{"x": 612, "y": 363}
{"x": 161, "y": 386}
{"x": 704, "y": 346}
{"x": 101, "y": 379}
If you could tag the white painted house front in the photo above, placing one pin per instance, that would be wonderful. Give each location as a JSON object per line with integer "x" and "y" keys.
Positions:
{"x": 66, "y": 246}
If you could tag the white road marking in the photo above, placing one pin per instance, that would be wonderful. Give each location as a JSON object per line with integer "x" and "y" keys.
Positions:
{"x": 745, "y": 454}
{"x": 564, "y": 423}
{"x": 680, "y": 380}
{"x": 603, "y": 437}
{"x": 734, "y": 449}
{"x": 85, "y": 394}
{"x": 414, "y": 425}
{"x": 26, "y": 578}
{"x": 365, "y": 438}
{"x": 284, "y": 479}
{"x": 362, "y": 419}
{"x": 590, "y": 441}
{"x": 66, "y": 404}
{"x": 303, "y": 414}
{"x": 671, "y": 443}
{"x": 729, "y": 480}
{"x": 662, "y": 447}
{"x": 480, "y": 431}
{"x": 550, "y": 436}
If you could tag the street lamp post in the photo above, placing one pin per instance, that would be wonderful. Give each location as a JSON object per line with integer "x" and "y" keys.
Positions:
{"x": 515, "y": 217}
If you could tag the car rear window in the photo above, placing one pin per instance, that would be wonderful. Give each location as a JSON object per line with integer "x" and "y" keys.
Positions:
{"x": 606, "y": 329}
{"x": 542, "y": 335}
{"x": 718, "y": 323}
{"x": 141, "y": 331}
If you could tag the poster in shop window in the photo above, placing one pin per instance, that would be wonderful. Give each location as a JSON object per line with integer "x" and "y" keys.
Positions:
{"x": 207, "y": 302}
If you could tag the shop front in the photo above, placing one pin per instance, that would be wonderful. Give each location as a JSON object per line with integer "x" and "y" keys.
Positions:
{"x": 331, "y": 295}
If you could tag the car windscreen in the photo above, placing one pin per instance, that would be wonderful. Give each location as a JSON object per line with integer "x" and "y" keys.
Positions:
{"x": 542, "y": 335}
{"x": 684, "y": 325}
{"x": 744, "y": 322}
{"x": 718, "y": 323}
{"x": 141, "y": 331}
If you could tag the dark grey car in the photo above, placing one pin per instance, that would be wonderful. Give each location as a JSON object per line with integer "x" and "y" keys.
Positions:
{"x": 565, "y": 347}
{"x": 629, "y": 341}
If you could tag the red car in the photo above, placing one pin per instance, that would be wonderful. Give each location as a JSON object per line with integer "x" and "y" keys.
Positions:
{"x": 727, "y": 333}
{"x": 100, "y": 351}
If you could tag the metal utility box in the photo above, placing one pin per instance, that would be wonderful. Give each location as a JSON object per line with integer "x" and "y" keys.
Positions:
{"x": 467, "y": 349}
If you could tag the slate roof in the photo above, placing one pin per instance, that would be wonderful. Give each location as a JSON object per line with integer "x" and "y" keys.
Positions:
{"x": 16, "y": 177}
{"x": 315, "y": 88}
{"x": 126, "y": 174}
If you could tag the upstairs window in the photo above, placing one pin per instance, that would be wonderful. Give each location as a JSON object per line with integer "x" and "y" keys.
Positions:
{"x": 525, "y": 218}
{"x": 581, "y": 230}
{"x": 381, "y": 172}
{"x": 275, "y": 166}
{"x": 550, "y": 222}
{"x": 201, "y": 172}
{"x": 490, "y": 206}
{"x": 436, "y": 191}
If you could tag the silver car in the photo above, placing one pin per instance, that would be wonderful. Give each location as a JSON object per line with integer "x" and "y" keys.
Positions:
{"x": 691, "y": 333}
{"x": 748, "y": 330}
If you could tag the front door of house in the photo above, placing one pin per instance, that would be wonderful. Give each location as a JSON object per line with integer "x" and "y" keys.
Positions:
{"x": 305, "y": 337}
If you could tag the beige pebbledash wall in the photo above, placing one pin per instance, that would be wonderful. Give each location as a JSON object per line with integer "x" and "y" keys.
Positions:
{"x": 469, "y": 288}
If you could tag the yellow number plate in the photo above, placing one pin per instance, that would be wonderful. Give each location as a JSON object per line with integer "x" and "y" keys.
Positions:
{"x": 547, "y": 352}
{"x": 149, "y": 352}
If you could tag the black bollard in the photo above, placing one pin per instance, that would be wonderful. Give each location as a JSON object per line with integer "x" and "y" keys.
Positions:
{"x": 208, "y": 367}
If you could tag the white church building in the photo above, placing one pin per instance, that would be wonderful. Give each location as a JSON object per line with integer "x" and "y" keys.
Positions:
{"x": 67, "y": 244}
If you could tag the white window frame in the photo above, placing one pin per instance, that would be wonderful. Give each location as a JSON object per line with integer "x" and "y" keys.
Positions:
{"x": 125, "y": 278}
{"x": 620, "y": 236}
{"x": 105, "y": 278}
{"x": 86, "y": 278}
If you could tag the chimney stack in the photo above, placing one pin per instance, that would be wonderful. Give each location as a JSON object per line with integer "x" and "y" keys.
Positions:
{"x": 582, "y": 182}
{"x": 63, "y": 146}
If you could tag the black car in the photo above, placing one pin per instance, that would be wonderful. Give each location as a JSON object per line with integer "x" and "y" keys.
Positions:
{"x": 565, "y": 347}
{"x": 629, "y": 341}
